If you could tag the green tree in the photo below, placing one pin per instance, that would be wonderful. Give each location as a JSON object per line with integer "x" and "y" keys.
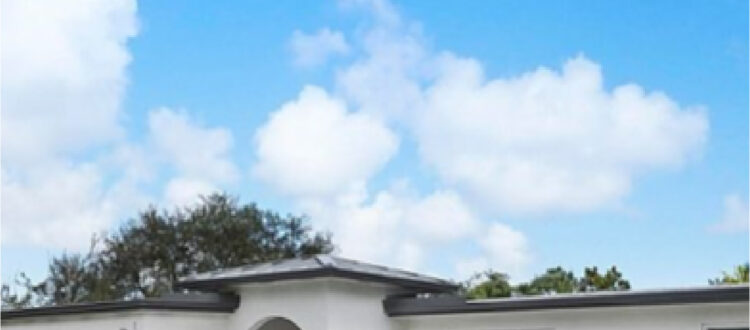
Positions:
{"x": 740, "y": 274}
{"x": 492, "y": 285}
{"x": 555, "y": 280}
{"x": 11, "y": 298}
{"x": 71, "y": 278}
{"x": 612, "y": 280}
{"x": 147, "y": 255}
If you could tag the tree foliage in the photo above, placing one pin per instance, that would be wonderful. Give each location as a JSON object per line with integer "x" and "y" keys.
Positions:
{"x": 147, "y": 255}
{"x": 495, "y": 284}
{"x": 11, "y": 298}
{"x": 740, "y": 274}
{"x": 610, "y": 281}
{"x": 555, "y": 280}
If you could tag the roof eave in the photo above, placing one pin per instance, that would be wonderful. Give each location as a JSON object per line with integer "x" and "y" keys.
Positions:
{"x": 226, "y": 304}
{"x": 218, "y": 284}
{"x": 400, "y": 306}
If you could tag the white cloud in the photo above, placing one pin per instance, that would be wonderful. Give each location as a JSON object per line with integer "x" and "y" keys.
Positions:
{"x": 181, "y": 191}
{"x": 441, "y": 216}
{"x": 199, "y": 155}
{"x": 63, "y": 75}
{"x": 194, "y": 150}
{"x": 503, "y": 249}
{"x": 381, "y": 10}
{"x": 67, "y": 170}
{"x": 311, "y": 50}
{"x": 400, "y": 227}
{"x": 397, "y": 226}
{"x": 386, "y": 80}
{"x": 735, "y": 216}
{"x": 506, "y": 247}
{"x": 466, "y": 268}
{"x": 313, "y": 146}
{"x": 62, "y": 205}
{"x": 542, "y": 141}
{"x": 63, "y": 80}
{"x": 547, "y": 140}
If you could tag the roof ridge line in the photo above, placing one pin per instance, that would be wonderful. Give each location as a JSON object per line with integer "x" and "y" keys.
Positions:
{"x": 326, "y": 261}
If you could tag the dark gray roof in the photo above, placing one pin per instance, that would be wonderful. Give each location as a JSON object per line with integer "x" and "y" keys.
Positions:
{"x": 203, "y": 302}
{"x": 313, "y": 267}
{"x": 401, "y": 306}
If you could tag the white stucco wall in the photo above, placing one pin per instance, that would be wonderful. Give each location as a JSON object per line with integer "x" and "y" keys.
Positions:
{"x": 155, "y": 320}
{"x": 320, "y": 304}
{"x": 673, "y": 317}
{"x": 135, "y": 320}
{"x": 115, "y": 321}
{"x": 351, "y": 303}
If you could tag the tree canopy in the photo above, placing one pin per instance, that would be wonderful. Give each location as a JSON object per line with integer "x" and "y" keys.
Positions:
{"x": 740, "y": 274}
{"x": 495, "y": 284}
{"x": 144, "y": 257}
{"x": 610, "y": 281}
{"x": 555, "y": 280}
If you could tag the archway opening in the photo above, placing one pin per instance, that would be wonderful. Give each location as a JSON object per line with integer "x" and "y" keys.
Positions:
{"x": 276, "y": 323}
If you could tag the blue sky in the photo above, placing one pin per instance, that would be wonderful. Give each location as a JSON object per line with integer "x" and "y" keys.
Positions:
{"x": 444, "y": 137}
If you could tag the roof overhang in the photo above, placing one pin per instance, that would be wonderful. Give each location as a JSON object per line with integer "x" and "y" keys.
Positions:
{"x": 218, "y": 303}
{"x": 400, "y": 306}
{"x": 319, "y": 266}
{"x": 221, "y": 284}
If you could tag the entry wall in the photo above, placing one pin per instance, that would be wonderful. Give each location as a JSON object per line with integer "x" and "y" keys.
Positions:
{"x": 317, "y": 304}
{"x": 356, "y": 306}
{"x": 673, "y": 317}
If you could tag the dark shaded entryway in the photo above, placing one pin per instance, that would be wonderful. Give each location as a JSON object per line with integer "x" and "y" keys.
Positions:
{"x": 276, "y": 323}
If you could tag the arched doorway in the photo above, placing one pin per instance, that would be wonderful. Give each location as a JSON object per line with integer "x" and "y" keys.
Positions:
{"x": 275, "y": 323}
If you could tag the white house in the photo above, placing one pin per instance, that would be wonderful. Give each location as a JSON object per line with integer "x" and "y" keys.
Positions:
{"x": 331, "y": 293}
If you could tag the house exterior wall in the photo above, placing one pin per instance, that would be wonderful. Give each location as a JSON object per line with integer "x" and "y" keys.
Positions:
{"x": 76, "y": 322}
{"x": 135, "y": 320}
{"x": 671, "y": 317}
{"x": 339, "y": 304}
{"x": 352, "y": 303}
{"x": 321, "y": 304}
{"x": 155, "y": 320}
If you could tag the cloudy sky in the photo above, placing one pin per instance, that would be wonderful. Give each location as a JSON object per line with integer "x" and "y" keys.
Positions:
{"x": 445, "y": 137}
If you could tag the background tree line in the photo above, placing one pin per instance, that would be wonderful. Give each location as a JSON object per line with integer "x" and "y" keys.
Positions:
{"x": 491, "y": 284}
{"x": 148, "y": 254}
